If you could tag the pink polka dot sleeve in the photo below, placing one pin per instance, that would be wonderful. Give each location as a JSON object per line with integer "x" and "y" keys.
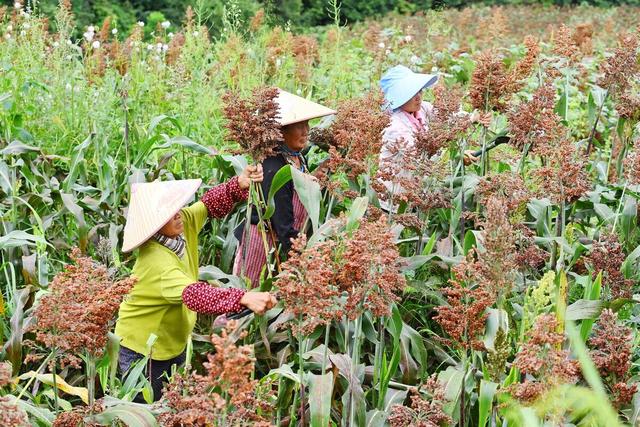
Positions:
{"x": 221, "y": 198}
{"x": 206, "y": 299}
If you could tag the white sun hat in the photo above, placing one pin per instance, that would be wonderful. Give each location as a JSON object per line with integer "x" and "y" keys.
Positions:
{"x": 152, "y": 205}
{"x": 294, "y": 108}
{"x": 400, "y": 84}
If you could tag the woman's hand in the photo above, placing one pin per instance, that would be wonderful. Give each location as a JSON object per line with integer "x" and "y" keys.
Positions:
{"x": 469, "y": 157}
{"x": 252, "y": 173}
{"x": 258, "y": 302}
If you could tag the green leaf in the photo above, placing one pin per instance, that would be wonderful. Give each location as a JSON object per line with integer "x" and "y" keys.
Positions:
{"x": 357, "y": 211}
{"x": 18, "y": 147}
{"x": 497, "y": 319}
{"x": 583, "y": 309}
{"x": 18, "y": 238}
{"x": 487, "y": 393}
{"x": 286, "y": 372}
{"x": 279, "y": 180}
{"x": 13, "y": 346}
{"x": 309, "y": 194}
{"x": 185, "y": 142}
{"x": 76, "y": 161}
{"x": 130, "y": 415}
{"x": 320, "y": 392}
{"x": 591, "y": 293}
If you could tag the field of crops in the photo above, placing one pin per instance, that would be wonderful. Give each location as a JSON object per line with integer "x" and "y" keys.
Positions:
{"x": 502, "y": 292}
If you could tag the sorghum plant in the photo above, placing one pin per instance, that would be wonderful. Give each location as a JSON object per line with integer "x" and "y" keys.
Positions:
{"x": 607, "y": 256}
{"x": 423, "y": 411}
{"x": 252, "y": 122}
{"x": 225, "y": 396}
{"x": 611, "y": 351}
{"x": 542, "y": 361}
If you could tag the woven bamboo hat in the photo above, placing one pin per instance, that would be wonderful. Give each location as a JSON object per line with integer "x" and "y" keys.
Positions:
{"x": 294, "y": 109}
{"x": 152, "y": 205}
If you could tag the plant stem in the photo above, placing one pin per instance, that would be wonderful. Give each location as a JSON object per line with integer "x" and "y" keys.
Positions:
{"x": 355, "y": 358}
{"x": 91, "y": 381}
{"x": 595, "y": 123}
{"x": 44, "y": 362}
{"x": 301, "y": 374}
{"x": 326, "y": 346}
{"x": 247, "y": 229}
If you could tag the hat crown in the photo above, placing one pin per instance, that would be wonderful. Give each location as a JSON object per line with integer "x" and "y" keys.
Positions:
{"x": 152, "y": 205}
{"x": 294, "y": 108}
{"x": 400, "y": 84}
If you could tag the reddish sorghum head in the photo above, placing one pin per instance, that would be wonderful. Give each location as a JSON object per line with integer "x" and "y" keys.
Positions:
{"x": 226, "y": 395}
{"x": 542, "y": 359}
{"x": 607, "y": 256}
{"x": 253, "y": 122}
{"x": 611, "y": 351}
{"x": 423, "y": 411}
{"x": 75, "y": 315}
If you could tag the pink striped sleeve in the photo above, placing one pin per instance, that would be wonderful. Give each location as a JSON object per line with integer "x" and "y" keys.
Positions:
{"x": 206, "y": 299}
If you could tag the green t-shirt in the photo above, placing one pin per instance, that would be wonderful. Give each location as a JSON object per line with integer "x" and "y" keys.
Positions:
{"x": 154, "y": 305}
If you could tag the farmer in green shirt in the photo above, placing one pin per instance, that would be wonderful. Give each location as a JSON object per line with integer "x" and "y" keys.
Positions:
{"x": 168, "y": 294}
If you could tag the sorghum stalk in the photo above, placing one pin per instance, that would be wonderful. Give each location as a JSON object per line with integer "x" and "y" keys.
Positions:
{"x": 91, "y": 380}
{"x": 595, "y": 122}
{"x": 355, "y": 358}
{"x": 301, "y": 374}
{"x": 326, "y": 346}
{"x": 377, "y": 371}
{"x": 247, "y": 228}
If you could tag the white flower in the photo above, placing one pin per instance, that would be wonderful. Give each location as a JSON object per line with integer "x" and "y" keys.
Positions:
{"x": 408, "y": 38}
{"x": 165, "y": 24}
{"x": 434, "y": 69}
{"x": 69, "y": 42}
{"x": 196, "y": 33}
{"x": 56, "y": 44}
{"x": 381, "y": 45}
{"x": 414, "y": 59}
{"x": 91, "y": 29}
{"x": 278, "y": 62}
{"x": 88, "y": 36}
{"x": 114, "y": 31}
{"x": 17, "y": 5}
{"x": 387, "y": 52}
{"x": 170, "y": 35}
{"x": 299, "y": 92}
{"x": 95, "y": 44}
{"x": 68, "y": 86}
{"x": 140, "y": 24}
{"x": 23, "y": 33}
{"x": 149, "y": 47}
{"x": 26, "y": 25}
{"x": 165, "y": 47}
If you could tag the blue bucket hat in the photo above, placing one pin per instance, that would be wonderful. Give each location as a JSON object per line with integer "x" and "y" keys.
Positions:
{"x": 400, "y": 84}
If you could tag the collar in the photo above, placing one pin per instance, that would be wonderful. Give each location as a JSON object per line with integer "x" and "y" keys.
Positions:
{"x": 176, "y": 245}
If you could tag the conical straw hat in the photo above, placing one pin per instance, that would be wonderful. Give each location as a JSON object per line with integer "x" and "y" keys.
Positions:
{"x": 295, "y": 109}
{"x": 152, "y": 205}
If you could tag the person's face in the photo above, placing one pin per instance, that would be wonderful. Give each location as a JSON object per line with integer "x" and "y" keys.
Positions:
{"x": 413, "y": 105}
{"x": 174, "y": 227}
{"x": 296, "y": 135}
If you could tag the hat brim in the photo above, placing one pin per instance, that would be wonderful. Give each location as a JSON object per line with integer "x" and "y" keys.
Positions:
{"x": 413, "y": 84}
{"x": 141, "y": 225}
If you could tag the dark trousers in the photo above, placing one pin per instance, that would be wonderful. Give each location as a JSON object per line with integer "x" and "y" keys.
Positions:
{"x": 155, "y": 370}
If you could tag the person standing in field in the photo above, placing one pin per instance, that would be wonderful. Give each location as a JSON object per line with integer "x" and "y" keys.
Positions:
{"x": 290, "y": 215}
{"x": 167, "y": 295}
{"x": 409, "y": 113}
